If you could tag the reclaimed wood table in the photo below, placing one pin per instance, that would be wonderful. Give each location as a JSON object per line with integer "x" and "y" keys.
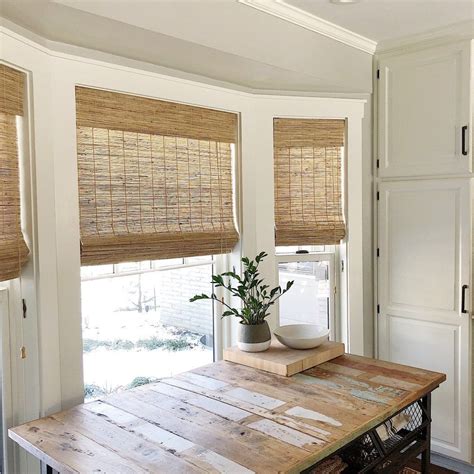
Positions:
{"x": 226, "y": 417}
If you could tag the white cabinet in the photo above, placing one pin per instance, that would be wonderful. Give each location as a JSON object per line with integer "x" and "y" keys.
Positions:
{"x": 424, "y": 112}
{"x": 424, "y": 246}
{"x": 424, "y": 226}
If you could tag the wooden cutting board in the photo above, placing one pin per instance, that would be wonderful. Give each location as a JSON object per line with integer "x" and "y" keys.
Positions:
{"x": 282, "y": 360}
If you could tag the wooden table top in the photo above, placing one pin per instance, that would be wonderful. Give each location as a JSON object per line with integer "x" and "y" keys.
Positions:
{"x": 225, "y": 417}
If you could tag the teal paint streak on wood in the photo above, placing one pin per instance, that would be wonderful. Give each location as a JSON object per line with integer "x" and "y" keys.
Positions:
{"x": 369, "y": 396}
{"x": 380, "y": 389}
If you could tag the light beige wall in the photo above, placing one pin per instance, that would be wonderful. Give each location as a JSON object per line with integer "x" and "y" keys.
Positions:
{"x": 52, "y": 78}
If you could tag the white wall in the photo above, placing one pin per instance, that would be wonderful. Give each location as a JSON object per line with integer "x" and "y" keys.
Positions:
{"x": 55, "y": 233}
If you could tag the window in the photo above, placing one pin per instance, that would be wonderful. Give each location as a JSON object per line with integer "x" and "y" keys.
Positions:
{"x": 13, "y": 249}
{"x": 138, "y": 323}
{"x": 309, "y": 216}
{"x": 312, "y": 297}
{"x": 156, "y": 200}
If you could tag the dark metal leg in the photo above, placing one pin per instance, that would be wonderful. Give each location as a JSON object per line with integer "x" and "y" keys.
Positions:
{"x": 426, "y": 455}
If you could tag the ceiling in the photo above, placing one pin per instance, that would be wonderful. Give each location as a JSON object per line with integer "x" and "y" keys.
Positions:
{"x": 223, "y": 40}
{"x": 382, "y": 20}
{"x": 226, "y": 42}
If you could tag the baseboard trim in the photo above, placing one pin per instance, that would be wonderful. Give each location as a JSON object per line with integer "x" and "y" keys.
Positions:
{"x": 448, "y": 463}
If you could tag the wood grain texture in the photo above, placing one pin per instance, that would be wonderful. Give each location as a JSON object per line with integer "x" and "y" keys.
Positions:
{"x": 226, "y": 417}
{"x": 282, "y": 360}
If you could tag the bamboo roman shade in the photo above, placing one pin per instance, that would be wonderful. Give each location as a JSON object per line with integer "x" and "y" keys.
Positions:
{"x": 308, "y": 197}
{"x": 155, "y": 178}
{"x": 13, "y": 249}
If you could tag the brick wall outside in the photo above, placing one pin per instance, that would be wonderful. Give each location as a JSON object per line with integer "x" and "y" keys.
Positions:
{"x": 173, "y": 290}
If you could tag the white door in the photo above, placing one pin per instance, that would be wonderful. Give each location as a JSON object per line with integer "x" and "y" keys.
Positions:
{"x": 424, "y": 110}
{"x": 424, "y": 247}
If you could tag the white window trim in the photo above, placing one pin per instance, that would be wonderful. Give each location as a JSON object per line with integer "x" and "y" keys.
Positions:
{"x": 118, "y": 273}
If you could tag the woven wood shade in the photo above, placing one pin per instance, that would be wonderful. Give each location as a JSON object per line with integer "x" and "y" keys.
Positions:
{"x": 102, "y": 109}
{"x": 11, "y": 90}
{"x": 13, "y": 249}
{"x": 147, "y": 196}
{"x": 308, "y": 200}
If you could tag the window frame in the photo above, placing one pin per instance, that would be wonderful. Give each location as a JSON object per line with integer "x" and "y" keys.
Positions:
{"x": 219, "y": 263}
{"x": 326, "y": 256}
{"x": 152, "y": 268}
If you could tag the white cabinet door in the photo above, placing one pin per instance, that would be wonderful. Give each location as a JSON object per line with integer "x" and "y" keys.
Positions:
{"x": 424, "y": 245}
{"x": 424, "y": 112}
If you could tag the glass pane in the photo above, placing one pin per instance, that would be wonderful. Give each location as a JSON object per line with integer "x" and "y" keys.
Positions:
{"x": 200, "y": 259}
{"x": 170, "y": 262}
{"x": 308, "y": 299}
{"x": 96, "y": 270}
{"x": 127, "y": 267}
{"x": 139, "y": 328}
{"x": 308, "y": 248}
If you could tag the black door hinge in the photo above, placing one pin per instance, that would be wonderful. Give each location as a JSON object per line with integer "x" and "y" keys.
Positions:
{"x": 378, "y": 163}
{"x": 378, "y": 309}
{"x": 342, "y": 266}
{"x": 378, "y": 252}
{"x": 24, "y": 308}
{"x": 378, "y": 73}
{"x": 378, "y": 195}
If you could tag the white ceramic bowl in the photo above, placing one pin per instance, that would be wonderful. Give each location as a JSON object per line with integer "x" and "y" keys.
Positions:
{"x": 301, "y": 336}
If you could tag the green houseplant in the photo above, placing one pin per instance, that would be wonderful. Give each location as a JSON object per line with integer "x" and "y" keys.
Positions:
{"x": 256, "y": 298}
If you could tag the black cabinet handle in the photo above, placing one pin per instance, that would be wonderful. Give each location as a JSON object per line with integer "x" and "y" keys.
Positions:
{"x": 463, "y": 298}
{"x": 464, "y": 140}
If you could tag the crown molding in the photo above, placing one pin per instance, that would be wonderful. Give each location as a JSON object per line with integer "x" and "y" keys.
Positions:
{"x": 283, "y": 10}
{"x": 457, "y": 31}
{"x": 279, "y": 8}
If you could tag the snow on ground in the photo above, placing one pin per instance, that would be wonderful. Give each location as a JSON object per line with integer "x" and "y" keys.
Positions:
{"x": 113, "y": 369}
{"x": 110, "y": 369}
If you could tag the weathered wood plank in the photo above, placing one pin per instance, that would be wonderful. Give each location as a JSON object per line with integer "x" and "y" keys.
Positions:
{"x": 292, "y": 398}
{"x": 374, "y": 409}
{"x": 194, "y": 458}
{"x": 312, "y": 415}
{"x": 227, "y": 418}
{"x": 206, "y": 382}
{"x": 114, "y": 429}
{"x": 391, "y": 382}
{"x": 290, "y": 389}
{"x": 255, "y": 398}
{"x": 362, "y": 389}
{"x": 292, "y": 422}
{"x": 169, "y": 441}
{"x": 66, "y": 450}
{"x": 226, "y": 438}
{"x": 214, "y": 406}
{"x": 342, "y": 369}
{"x": 222, "y": 464}
{"x": 285, "y": 434}
{"x": 44, "y": 449}
{"x": 376, "y": 367}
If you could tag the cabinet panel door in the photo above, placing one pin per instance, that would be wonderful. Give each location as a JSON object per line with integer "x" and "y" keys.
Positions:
{"x": 424, "y": 107}
{"x": 424, "y": 242}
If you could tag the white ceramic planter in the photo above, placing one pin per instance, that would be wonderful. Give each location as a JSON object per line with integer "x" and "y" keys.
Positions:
{"x": 254, "y": 338}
